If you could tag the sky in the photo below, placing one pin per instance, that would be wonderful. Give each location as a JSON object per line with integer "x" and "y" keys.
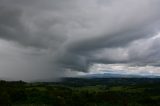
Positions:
{"x": 50, "y": 39}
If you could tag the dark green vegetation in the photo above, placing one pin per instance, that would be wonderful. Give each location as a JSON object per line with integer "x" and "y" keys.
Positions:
{"x": 82, "y": 92}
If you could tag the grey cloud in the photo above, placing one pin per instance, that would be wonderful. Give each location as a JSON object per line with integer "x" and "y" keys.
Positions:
{"x": 74, "y": 34}
{"x": 146, "y": 52}
{"x": 141, "y": 52}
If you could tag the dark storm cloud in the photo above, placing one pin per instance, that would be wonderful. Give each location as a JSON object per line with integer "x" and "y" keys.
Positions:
{"x": 59, "y": 35}
{"x": 20, "y": 22}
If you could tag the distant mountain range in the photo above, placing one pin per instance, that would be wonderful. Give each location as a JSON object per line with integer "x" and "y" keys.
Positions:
{"x": 101, "y": 76}
{"x": 115, "y": 75}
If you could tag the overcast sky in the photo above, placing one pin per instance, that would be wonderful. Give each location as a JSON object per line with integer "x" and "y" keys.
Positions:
{"x": 44, "y": 39}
